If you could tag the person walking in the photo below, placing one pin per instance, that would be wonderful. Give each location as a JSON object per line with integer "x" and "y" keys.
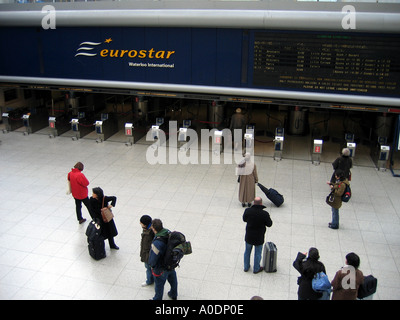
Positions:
{"x": 335, "y": 198}
{"x": 79, "y": 189}
{"x": 247, "y": 172}
{"x": 257, "y": 219}
{"x": 108, "y": 229}
{"x": 156, "y": 257}
{"x": 344, "y": 163}
{"x": 308, "y": 267}
{"x": 145, "y": 246}
{"x": 348, "y": 279}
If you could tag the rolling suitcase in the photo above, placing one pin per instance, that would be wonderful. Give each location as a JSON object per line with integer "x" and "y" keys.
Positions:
{"x": 269, "y": 257}
{"x": 273, "y": 195}
{"x": 95, "y": 240}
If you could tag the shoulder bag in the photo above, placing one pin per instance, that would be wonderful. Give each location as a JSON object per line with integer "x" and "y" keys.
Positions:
{"x": 320, "y": 282}
{"x": 106, "y": 213}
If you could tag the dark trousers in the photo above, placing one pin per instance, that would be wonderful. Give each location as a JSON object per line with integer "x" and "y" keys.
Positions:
{"x": 78, "y": 207}
{"x": 159, "y": 281}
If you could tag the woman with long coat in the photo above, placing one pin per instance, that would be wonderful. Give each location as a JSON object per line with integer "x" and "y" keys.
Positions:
{"x": 248, "y": 178}
{"x": 108, "y": 229}
{"x": 308, "y": 267}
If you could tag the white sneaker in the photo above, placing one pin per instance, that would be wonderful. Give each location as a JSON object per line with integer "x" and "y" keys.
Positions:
{"x": 144, "y": 284}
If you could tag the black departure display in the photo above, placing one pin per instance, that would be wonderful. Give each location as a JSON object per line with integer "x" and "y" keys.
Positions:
{"x": 340, "y": 63}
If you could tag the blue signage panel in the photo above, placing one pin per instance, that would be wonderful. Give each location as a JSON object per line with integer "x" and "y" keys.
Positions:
{"x": 325, "y": 62}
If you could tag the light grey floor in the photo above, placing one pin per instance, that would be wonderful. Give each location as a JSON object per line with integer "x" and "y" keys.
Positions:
{"x": 43, "y": 250}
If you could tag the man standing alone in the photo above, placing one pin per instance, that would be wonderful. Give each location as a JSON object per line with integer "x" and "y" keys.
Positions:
{"x": 257, "y": 220}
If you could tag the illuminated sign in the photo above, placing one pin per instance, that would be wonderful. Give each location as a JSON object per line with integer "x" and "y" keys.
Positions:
{"x": 315, "y": 61}
{"x": 96, "y": 49}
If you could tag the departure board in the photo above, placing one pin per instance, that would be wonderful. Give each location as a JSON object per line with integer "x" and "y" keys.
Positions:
{"x": 340, "y": 63}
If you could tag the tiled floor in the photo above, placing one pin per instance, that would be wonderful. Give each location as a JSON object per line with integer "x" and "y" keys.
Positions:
{"x": 43, "y": 250}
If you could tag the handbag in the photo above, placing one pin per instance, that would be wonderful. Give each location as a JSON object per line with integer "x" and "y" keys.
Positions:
{"x": 68, "y": 191}
{"x": 320, "y": 282}
{"x": 330, "y": 198}
{"x": 106, "y": 213}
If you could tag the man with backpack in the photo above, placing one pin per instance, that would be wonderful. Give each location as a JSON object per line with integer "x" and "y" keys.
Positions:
{"x": 156, "y": 261}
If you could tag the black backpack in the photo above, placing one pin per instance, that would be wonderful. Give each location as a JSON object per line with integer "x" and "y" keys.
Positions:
{"x": 177, "y": 247}
{"x": 347, "y": 194}
{"x": 368, "y": 287}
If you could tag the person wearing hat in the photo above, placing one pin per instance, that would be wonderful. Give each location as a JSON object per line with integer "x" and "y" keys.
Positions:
{"x": 308, "y": 267}
{"x": 344, "y": 163}
{"x": 145, "y": 245}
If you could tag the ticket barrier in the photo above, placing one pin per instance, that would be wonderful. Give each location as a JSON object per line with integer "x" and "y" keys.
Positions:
{"x": 217, "y": 142}
{"x": 249, "y": 137}
{"x": 80, "y": 130}
{"x": 58, "y": 126}
{"x": 380, "y": 154}
{"x": 352, "y": 147}
{"x": 129, "y": 134}
{"x": 155, "y": 130}
{"x": 278, "y": 143}
{"x": 10, "y": 123}
{"x": 350, "y": 144}
{"x": 317, "y": 151}
{"x": 34, "y": 122}
{"x": 383, "y": 157}
{"x": 249, "y": 141}
{"x": 183, "y": 136}
{"x": 105, "y": 128}
{"x": 154, "y": 133}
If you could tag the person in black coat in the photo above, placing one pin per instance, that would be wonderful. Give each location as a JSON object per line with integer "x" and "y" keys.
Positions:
{"x": 344, "y": 163}
{"x": 108, "y": 229}
{"x": 308, "y": 267}
{"x": 257, "y": 220}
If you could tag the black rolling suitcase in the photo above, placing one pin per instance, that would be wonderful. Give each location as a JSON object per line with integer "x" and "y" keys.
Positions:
{"x": 270, "y": 253}
{"x": 95, "y": 240}
{"x": 273, "y": 195}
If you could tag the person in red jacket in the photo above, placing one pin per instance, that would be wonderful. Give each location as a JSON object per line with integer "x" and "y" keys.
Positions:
{"x": 79, "y": 189}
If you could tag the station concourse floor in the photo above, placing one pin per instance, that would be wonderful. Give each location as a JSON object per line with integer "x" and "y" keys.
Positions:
{"x": 43, "y": 249}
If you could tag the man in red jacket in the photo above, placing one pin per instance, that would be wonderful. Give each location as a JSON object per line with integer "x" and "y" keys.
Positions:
{"x": 79, "y": 190}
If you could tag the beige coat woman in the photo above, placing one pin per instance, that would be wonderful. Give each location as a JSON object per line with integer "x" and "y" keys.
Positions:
{"x": 248, "y": 178}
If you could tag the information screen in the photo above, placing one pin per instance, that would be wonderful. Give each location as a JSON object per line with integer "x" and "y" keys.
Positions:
{"x": 340, "y": 63}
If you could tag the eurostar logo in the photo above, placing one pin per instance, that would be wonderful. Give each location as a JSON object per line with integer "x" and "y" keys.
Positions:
{"x": 91, "y": 49}
{"x": 87, "y": 48}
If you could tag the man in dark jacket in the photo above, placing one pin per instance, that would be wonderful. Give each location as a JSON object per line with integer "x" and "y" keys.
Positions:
{"x": 156, "y": 258}
{"x": 257, "y": 220}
